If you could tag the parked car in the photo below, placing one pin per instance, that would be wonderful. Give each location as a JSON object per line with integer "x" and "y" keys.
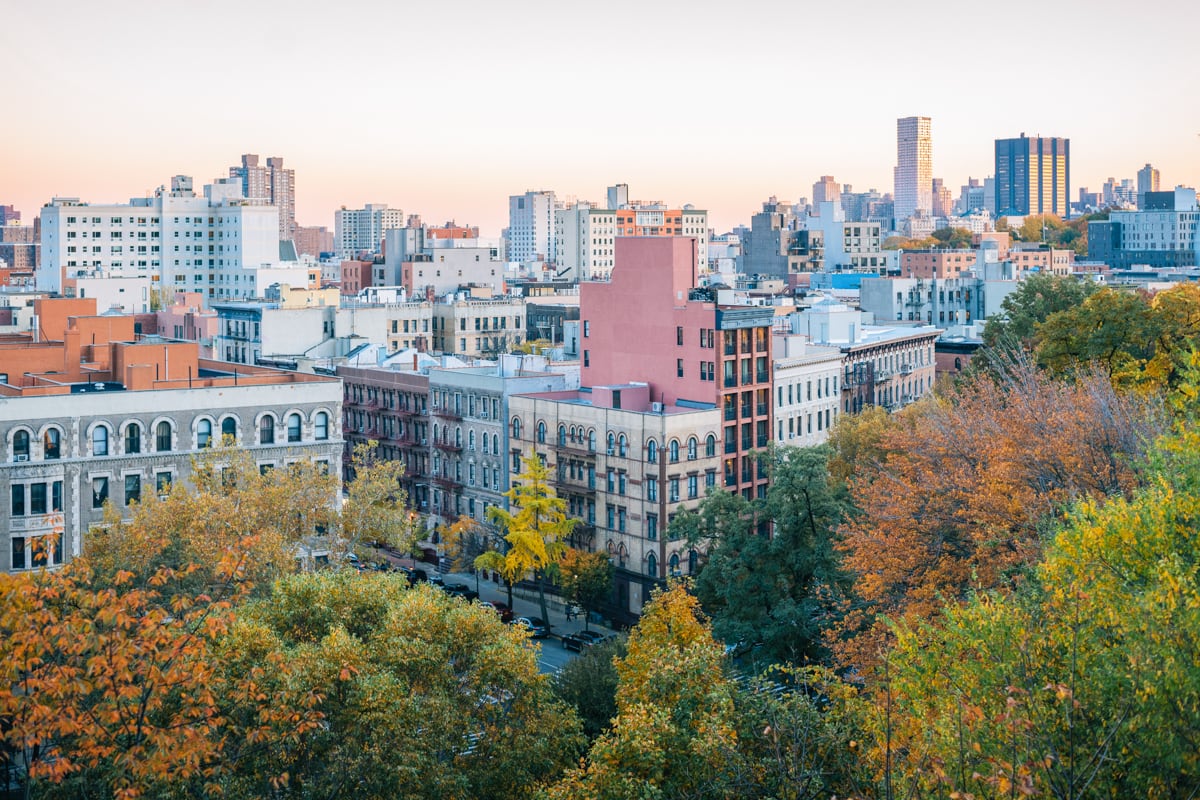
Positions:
{"x": 500, "y": 608}
{"x": 536, "y": 626}
{"x": 580, "y": 639}
{"x": 414, "y": 576}
{"x": 460, "y": 590}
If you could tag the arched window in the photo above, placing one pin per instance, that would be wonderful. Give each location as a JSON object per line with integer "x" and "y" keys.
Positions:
{"x": 652, "y": 566}
{"x": 592, "y": 440}
{"x": 471, "y": 440}
{"x": 21, "y": 445}
{"x": 162, "y": 437}
{"x": 321, "y": 426}
{"x": 516, "y": 428}
{"x": 541, "y": 434}
{"x": 674, "y": 450}
{"x": 293, "y": 427}
{"x": 266, "y": 429}
{"x": 612, "y": 443}
{"x": 693, "y": 561}
{"x": 458, "y": 437}
{"x": 652, "y": 451}
{"x": 228, "y": 429}
{"x": 133, "y": 438}
{"x": 622, "y": 446}
{"x": 203, "y": 433}
{"x": 562, "y": 435}
{"x": 692, "y": 446}
{"x": 674, "y": 563}
{"x": 710, "y": 446}
{"x": 52, "y": 443}
{"x": 486, "y": 436}
{"x": 100, "y": 440}
{"x": 957, "y": 364}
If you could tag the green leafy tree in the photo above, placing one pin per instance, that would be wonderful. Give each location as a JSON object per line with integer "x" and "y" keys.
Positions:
{"x": 1013, "y": 331}
{"x": 586, "y": 579}
{"x": 417, "y": 695}
{"x": 956, "y": 238}
{"x": 535, "y": 531}
{"x": 376, "y": 507}
{"x": 589, "y": 685}
{"x": 779, "y": 590}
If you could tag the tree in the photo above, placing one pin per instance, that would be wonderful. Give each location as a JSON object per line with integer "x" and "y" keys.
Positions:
{"x": 589, "y": 685}
{"x": 586, "y": 578}
{"x": 1013, "y": 330}
{"x": 418, "y": 695}
{"x": 779, "y": 591}
{"x": 1085, "y": 684}
{"x": 536, "y": 531}
{"x": 953, "y": 237}
{"x": 674, "y": 713}
{"x": 375, "y": 509}
{"x": 465, "y": 540}
{"x": 971, "y": 483}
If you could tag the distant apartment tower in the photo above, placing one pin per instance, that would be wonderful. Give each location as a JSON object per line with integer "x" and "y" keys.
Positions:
{"x": 10, "y": 215}
{"x": 826, "y": 190}
{"x": 914, "y": 168}
{"x": 1147, "y": 181}
{"x": 1033, "y": 176}
{"x": 272, "y": 185}
{"x": 361, "y": 230}
{"x": 531, "y": 227}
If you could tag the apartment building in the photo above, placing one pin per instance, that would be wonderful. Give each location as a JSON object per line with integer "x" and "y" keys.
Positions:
{"x": 361, "y": 230}
{"x": 807, "y": 395}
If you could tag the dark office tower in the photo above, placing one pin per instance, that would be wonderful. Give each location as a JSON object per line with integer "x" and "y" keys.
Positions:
{"x": 1033, "y": 176}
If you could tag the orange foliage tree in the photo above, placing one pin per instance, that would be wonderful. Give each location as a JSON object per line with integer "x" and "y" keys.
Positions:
{"x": 963, "y": 487}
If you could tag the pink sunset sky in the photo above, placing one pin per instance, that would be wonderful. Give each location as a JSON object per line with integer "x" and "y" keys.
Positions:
{"x": 446, "y": 109}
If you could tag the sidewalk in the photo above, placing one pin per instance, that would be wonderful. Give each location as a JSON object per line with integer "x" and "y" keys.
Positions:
{"x": 525, "y": 604}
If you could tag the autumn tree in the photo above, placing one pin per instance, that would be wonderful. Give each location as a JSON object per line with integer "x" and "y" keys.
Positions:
{"x": 1011, "y": 332}
{"x": 772, "y": 582}
{"x": 376, "y": 507}
{"x": 535, "y": 530}
{"x": 1084, "y": 684}
{"x": 418, "y": 695}
{"x": 586, "y": 579}
{"x": 953, "y": 237}
{"x": 465, "y": 540}
{"x": 674, "y": 713}
{"x": 589, "y": 685}
{"x": 972, "y": 481}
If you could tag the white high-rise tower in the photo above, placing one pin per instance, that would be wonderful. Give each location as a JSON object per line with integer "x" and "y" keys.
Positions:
{"x": 914, "y": 168}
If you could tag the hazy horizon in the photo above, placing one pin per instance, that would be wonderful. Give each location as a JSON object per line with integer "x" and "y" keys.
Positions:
{"x": 447, "y": 113}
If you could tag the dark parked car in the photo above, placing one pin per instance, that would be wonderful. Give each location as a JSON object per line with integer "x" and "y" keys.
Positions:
{"x": 581, "y": 639}
{"x": 500, "y": 608}
{"x": 460, "y": 590}
{"x": 414, "y": 576}
{"x": 536, "y": 626}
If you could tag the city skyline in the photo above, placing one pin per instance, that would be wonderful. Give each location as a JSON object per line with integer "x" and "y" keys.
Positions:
{"x": 449, "y": 124}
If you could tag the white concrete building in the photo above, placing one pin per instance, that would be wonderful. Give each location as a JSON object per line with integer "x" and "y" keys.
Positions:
{"x": 584, "y": 239}
{"x": 362, "y": 230}
{"x": 914, "y": 168}
{"x": 531, "y": 227}
{"x": 216, "y": 244}
{"x": 806, "y": 392}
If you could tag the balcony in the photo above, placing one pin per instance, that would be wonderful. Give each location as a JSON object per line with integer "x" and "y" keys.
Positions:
{"x": 763, "y": 377}
{"x": 762, "y": 441}
{"x": 448, "y": 446}
{"x": 730, "y": 382}
{"x": 446, "y": 412}
{"x": 761, "y": 409}
{"x": 444, "y": 482}
{"x": 730, "y": 413}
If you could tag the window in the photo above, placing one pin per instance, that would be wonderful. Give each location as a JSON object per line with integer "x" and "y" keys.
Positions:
{"x": 203, "y": 433}
{"x": 99, "y": 492}
{"x": 693, "y": 486}
{"x": 18, "y": 500}
{"x": 516, "y": 428}
{"x": 652, "y": 526}
{"x": 652, "y": 566}
{"x": 710, "y": 446}
{"x": 622, "y": 446}
{"x": 679, "y": 367}
{"x": 21, "y": 446}
{"x": 18, "y": 552}
{"x": 674, "y": 563}
{"x": 293, "y": 428}
{"x": 266, "y": 430}
{"x": 673, "y": 484}
{"x": 562, "y": 435}
{"x": 691, "y": 449}
{"x": 133, "y": 438}
{"x": 710, "y": 479}
{"x": 100, "y": 440}
{"x": 37, "y": 498}
{"x": 162, "y": 437}
{"x": 52, "y": 443}
{"x": 592, "y": 441}
{"x": 679, "y": 335}
{"x": 541, "y": 432}
{"x": 56, "y": 496}
{"x": 674, "y": 451}
{"x": 621, "y": 520}
{"x": 612, "y": 444}
{"x": 133, "y": 488}
{"x": 162, "y": 484}
{"x": 652, "y": 491}
{"x": 652, "y": 451}
{"x": 228, "y": 430}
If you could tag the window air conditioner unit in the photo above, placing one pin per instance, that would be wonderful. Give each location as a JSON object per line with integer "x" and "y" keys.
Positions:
{"x": 24, "y": 457}
{"x": 656, "y": 407}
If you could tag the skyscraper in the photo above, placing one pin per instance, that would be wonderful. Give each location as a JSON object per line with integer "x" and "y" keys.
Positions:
{"x": 1147, "y": 181}
{"x": 1033, "y": 176}
{"x": 531, "y": 226}
{"x": 271, "y": 185}
{"x": 914, "y": 168}
{"x": 826, "y": 190}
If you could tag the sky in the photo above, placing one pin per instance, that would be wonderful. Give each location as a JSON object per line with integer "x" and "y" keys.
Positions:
{"x": 446, "y": 109}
